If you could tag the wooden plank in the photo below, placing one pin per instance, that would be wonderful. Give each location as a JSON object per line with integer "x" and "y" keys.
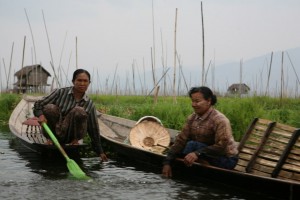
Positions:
{"x": 279, "y": 132}
{"x": 265, "y": 162}
{"x": 260, "y": 146}
{"x": 295, "y": 150}
{"x": 247, "y": 150}
{"x": 286, "y": 127}
{"x": 288, "y": 175}
{"x": 293, "y": 157}
{"x": 293, "y": 162}
{"x": 245, "y": 156}
{"x": 254, "y": 140}
{"x": 263, "y": 168}
{"x": 246, "y": 135}
{"x": 269, "y": 156}
{"x": 240, "y": 168}
{"x": 277, "y": 138}
{"x": 271, "y": 151}
{"x": 267, "y": 149}
{"x": 291, "y": 168}
{"x": 286, "y": 152}
{"x": 259, "y": 173}
{"x": 250, "y": 147}
{"x": 264, "y": 121}
{"x": 242, "y": 162}
{"x": 274, "y": 145}
{"x": 259, "y": 130}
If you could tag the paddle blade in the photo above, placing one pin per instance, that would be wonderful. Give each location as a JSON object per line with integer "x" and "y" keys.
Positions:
{"x": 75, "y": 170}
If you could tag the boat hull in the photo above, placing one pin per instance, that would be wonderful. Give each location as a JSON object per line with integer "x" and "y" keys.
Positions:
{"x": 114, "y": 134}
{"x": 27, "y": 130}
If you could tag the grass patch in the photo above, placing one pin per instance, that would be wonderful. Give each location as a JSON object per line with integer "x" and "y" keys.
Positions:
{"x": 240, "y": 111}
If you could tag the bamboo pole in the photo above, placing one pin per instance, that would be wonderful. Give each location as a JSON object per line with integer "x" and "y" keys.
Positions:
{"x": 152, "y": 67}
{"x": 0, "y": 80}
{"x": 241, "y": 78}
{"x": 181, "y": 72}
{"x": 68, "y": 69}
{"x": 34, "y": 49}
{"x": 76, "y": 53}
{"x": 144, "y": 75}
{"x": 60, "y": 58}
{"x": 153, "y": 33}
{"x": 91, "y": 88}
{"x": 5, "y": 69}
{"x": 206, "y": 73}
{"x": 175, "y": 51}
{"x": 203, "y": 46}
{"x": 133, "y": 78}
{"x": 10, "y": 63}
{"x": 156, "y": 94}
{"x": 127, "y": 86}
{"x": 112, "y": 86}
{"x": 213, "y": 72}
{"x": 179, "y": 77}
{"x": 162, "y": 61}
{"x": 269, "y": 75}
{"x": 51, "y": 63}
{"x": 158, "y": 82}
{"x": 293, "y": 68}
{"x": 55, "y": 76}
{"x": 282, "y": 78}
{"x": 140, "y": 79}
{"x": 23, "y": 54}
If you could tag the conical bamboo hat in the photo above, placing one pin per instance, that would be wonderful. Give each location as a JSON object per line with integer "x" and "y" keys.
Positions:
{"x": 149, "y": 134}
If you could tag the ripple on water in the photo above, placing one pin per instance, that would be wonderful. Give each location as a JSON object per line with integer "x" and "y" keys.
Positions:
{"x": 28, "y": 176}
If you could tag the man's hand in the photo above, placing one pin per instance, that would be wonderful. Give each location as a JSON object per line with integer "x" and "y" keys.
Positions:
{"x": 190, "y": 158}
{"x": 167, "y": 171}
{"x": 42, "y": 119}
{"x": 103, "y": 157}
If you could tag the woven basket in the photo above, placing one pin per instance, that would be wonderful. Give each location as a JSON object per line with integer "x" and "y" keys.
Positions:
{"x": 149, "y": 134}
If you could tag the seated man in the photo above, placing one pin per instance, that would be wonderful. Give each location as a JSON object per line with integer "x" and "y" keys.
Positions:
{"x": 70, "y": 113}
{"x": 206, "y": 136}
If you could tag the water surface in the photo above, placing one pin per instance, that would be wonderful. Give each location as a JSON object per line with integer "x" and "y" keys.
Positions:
{"x": 28, "y": 175}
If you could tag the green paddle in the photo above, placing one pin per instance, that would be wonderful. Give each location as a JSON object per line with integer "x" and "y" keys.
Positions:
{"x": 71, "y": 164}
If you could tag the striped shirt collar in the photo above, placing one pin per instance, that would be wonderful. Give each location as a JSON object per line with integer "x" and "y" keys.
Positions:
{"x": 85, "y": 97}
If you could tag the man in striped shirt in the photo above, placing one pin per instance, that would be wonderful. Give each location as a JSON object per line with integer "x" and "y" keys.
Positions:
{"x": 70, "y": 113}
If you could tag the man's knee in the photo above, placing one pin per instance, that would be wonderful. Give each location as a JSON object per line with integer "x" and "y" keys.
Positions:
{"x": 51, "y": 109}
{"x": 79, "y": 112}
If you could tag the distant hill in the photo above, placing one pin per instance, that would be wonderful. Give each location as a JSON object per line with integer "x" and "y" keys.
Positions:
{"x": 255, "y": 73}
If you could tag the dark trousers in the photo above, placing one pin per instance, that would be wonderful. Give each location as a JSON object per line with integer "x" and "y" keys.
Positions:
{"x": 219, "y": 161}
{"x": 66, "y": 128}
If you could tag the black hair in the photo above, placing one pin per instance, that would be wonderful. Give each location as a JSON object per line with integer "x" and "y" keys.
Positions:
{"x": 206, "y": 92}
{"x": 79, "y": 71}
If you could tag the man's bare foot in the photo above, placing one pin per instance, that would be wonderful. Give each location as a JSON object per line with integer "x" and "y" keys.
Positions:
{"x": 48, "y": 142}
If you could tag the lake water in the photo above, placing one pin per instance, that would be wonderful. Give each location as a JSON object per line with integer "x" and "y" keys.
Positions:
{"x": 27, "y": 175}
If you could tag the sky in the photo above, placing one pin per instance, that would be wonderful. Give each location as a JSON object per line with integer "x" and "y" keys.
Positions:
{"x": 116, "y": 36}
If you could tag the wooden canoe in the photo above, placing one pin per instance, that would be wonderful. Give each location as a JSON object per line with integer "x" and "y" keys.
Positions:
{"x": 263, "y": 167}
{"x": 26, "y": 128}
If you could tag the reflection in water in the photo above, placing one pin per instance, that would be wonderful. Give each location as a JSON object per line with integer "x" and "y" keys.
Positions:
{"x": 27, "y": 175}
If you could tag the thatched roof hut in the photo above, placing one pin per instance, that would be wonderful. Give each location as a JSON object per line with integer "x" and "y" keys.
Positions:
{"x": 238, "y": 88}
{"x": 32, "y": 77}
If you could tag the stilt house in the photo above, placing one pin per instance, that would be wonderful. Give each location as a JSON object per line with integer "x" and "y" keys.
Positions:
{"x": 238, "y": 88}
{"x": 32, "y": 78}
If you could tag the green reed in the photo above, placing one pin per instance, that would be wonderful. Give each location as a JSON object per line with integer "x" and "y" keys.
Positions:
{"x": 240, "y": 111}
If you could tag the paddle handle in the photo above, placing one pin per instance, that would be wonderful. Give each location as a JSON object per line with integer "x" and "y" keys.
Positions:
{"x": 53, "y": 138}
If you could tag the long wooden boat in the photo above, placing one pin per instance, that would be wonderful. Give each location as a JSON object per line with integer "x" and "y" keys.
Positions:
{"x": 269, "y": 158}
{"x": 26, "y": 128}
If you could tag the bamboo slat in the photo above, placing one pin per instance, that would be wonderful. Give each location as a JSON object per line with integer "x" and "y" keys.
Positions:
{"x": 270, "y": 149}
